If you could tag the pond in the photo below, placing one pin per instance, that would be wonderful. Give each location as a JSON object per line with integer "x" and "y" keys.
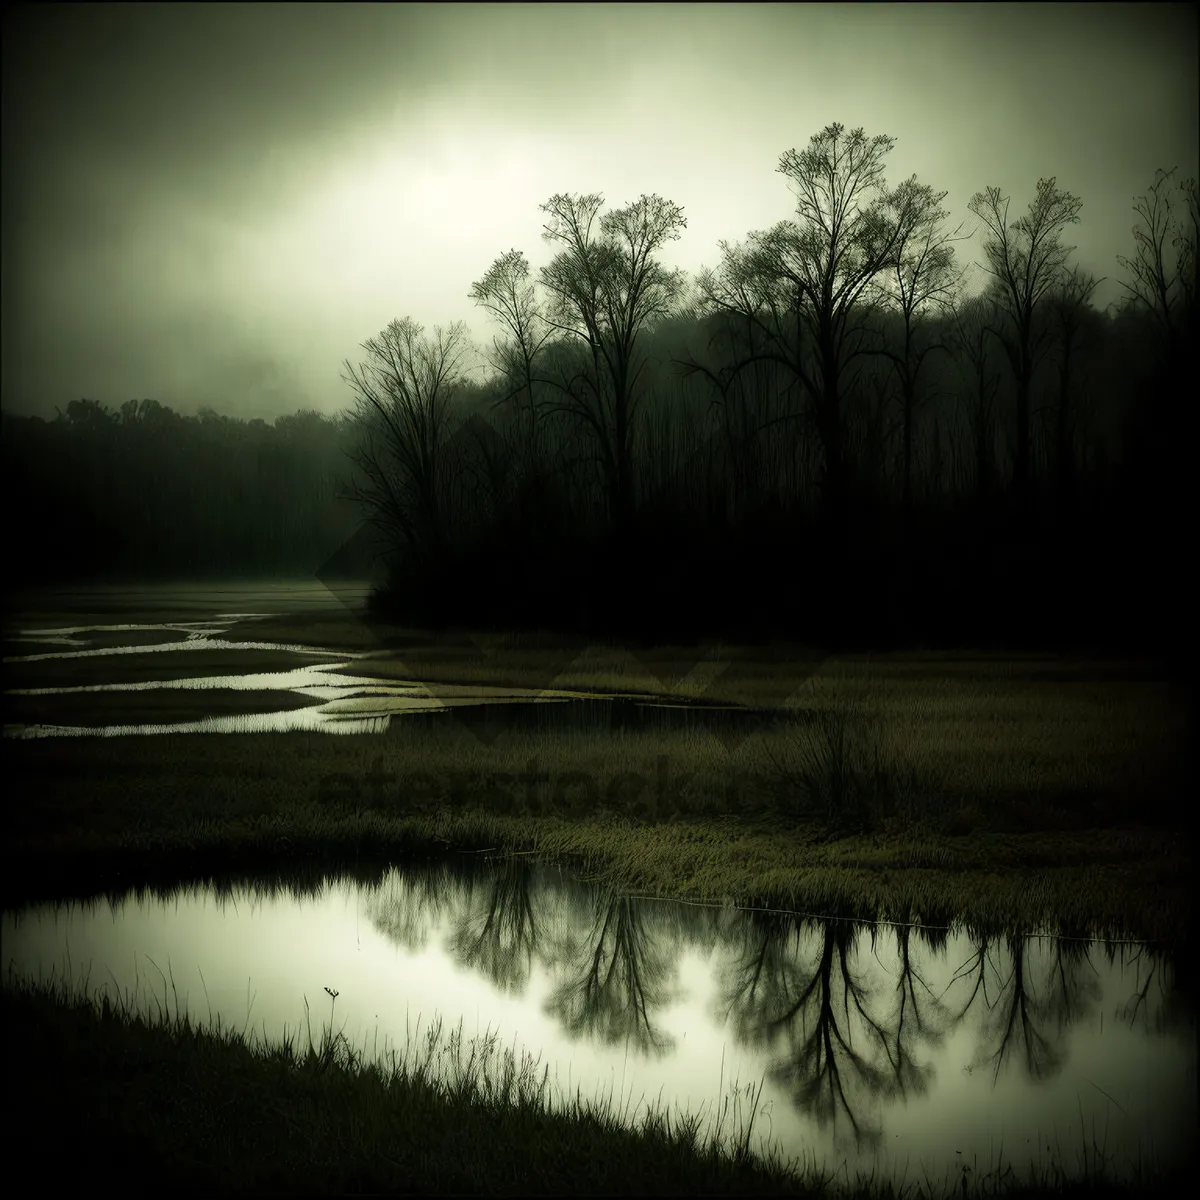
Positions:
{"x": 129, "y": 678}
{"x": 908, "y": 1051}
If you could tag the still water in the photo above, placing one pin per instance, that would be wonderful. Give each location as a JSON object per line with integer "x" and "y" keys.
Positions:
{"x": 900, "y": 1050}
{"x": 88, "y": 672}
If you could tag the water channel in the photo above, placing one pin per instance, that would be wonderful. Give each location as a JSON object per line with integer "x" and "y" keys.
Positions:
{"x": 188, "y": 667}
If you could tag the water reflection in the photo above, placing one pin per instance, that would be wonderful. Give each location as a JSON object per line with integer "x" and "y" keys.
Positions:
{"x": 616, "y": 977}
{"x": 885, "y": 1048}
{"x": 346, "y": 697}
{"x": 803, "y": 994}
{"x": 499, "y": 932}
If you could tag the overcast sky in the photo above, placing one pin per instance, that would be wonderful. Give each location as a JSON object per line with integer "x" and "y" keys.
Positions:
{"x": 216, "y": 204}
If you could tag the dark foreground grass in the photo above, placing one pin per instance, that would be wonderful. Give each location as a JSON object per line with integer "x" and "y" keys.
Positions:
{"x": 184, "y": 1108}
{"x": 181, "y": 1108}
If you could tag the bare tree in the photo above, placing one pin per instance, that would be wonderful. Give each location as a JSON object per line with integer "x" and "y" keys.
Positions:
{"x": 1164, "y": 282}
{"x": 1069, "y": 303}
{"x": 923, "y": 277}
{"x": 799, "y": 285}
{"x": 1026, "y": 259}
{"x": 1159, "y": 433}
{"x": 606, "y": 287}
{"x": 402, "y": 395}
{"x": 507, "y": 292}
{"x": 973, "y": 322}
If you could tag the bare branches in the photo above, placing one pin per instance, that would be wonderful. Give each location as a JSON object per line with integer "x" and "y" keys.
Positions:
{"x": 1165, "y": 282}
{"x": 1027, "y": 259}
{"x": 1072, "y": 294}
{"x": 1026, "y": 256}
{"x": 403, "y": 394}
{"x": 506, "y": 292}
{"x": 830, "y": 179}
{"x": 605, "y": 288}
{"x": 923, "y": 274}
{"x": 842, "y": 237}
{"x": 800, "y": 287}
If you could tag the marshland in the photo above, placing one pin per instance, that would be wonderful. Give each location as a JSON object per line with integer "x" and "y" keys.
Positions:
{"x": 732, "y": 733}
{"x": 863, "y": 841}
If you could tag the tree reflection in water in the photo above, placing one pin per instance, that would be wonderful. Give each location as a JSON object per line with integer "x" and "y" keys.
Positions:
{"x": 499, "y": 935}
{"x": 846, "y": 1012}
{"x": 616, "y": 979}
{"x": 800, "y": 984}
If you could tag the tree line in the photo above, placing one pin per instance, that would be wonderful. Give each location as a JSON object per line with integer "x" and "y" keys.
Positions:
{"x": 825, "y": 436}
{"x": 145, "y": 492}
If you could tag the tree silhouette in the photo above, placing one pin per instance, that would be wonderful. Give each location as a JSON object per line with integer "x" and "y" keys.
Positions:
{"x": 605, "y": 291}
{"x": 403, "y": 394}
{"x": 801, "y": 283}
{"x": 1069, "y": 302}
{"x": 923, "y": 276}
{"x": 1025, "y": 259}
{"x": 1164, "y": 279}
{"x": 1014, "y": 1021}
{"x": 500, "y": 938}
{"x": 973, "y": 318}
{"x": 838, "y": 1058}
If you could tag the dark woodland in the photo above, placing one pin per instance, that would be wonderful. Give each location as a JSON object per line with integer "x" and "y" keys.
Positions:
{"x": 824, "y": 437}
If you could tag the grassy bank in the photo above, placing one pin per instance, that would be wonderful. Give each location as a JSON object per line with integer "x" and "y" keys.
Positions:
{"x": 1010, "y": 799}
{"x": 204, "y": 1110}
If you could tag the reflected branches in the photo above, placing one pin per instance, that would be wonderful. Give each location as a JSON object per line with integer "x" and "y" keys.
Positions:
{"x": 848, "y": 1027}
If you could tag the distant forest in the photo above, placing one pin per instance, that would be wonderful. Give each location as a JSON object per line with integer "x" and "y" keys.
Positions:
{"x": 145, "y": 493}
{"x": 823, "y": 437}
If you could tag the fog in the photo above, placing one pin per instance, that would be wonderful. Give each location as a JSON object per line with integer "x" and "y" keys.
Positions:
{"x": 214, "y": 205}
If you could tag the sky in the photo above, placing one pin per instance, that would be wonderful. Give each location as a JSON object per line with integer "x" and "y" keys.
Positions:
{"x": 216, "y": 204}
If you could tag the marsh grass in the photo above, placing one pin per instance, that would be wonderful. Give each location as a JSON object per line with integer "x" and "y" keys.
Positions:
{"x": 981, "y": 787}
{"x": 151, "y": 666}
{"x": 839, "y": 765}
{"x": 201, "y": 1108}
{"x": 899, "y": 823}
{"x": 720, "y": 674}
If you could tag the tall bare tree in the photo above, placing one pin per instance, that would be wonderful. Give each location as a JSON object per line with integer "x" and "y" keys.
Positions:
{"x": 507, "y": 292}
{"x": 1069, "y": 303}
{"x": 1026, "y": 259}
{"x": 1164, "y": 280}
{"x": 402, "y": 395}
{"x": 973, "y": 321}
{"x": 1160, "y": 432}
{"x": 605, "y": 288}
{"x": 798, "y": 286}
{"x": 923, "y": 277}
